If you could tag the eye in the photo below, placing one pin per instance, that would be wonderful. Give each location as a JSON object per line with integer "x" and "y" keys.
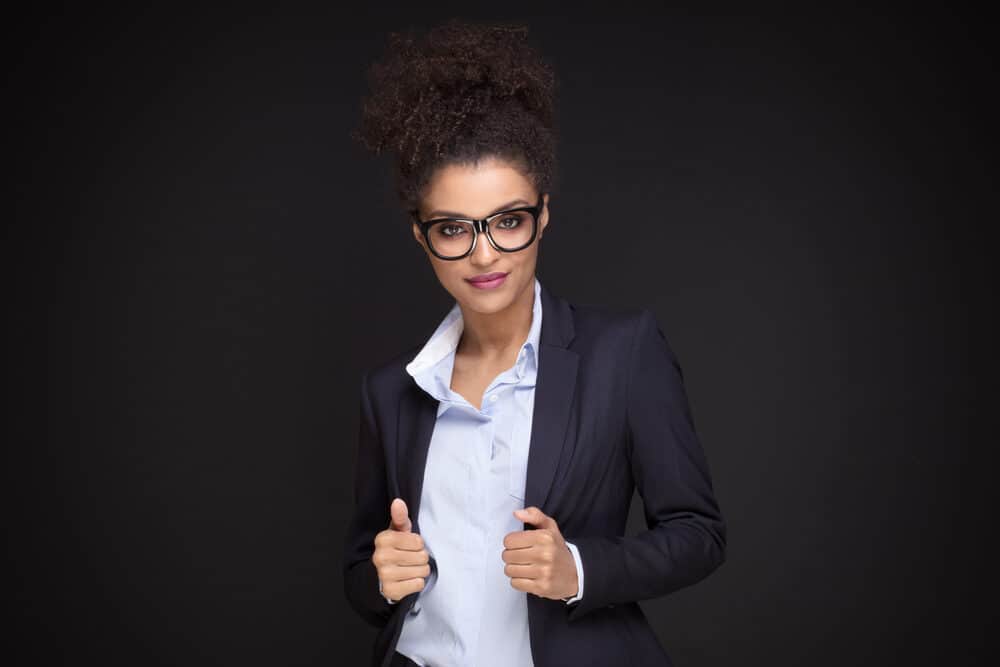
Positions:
{"x": 509, "y": 222}
{"x": 451, "y": 229}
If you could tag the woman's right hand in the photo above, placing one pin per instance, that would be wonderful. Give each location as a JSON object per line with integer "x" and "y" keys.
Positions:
{"x": 400, "y": 559}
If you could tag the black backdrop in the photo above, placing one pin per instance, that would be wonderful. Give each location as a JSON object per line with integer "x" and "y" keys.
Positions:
{"x": 200, "y": 264}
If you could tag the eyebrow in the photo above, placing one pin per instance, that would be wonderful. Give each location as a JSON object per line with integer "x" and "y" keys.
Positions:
{"x": 449, "y": 214}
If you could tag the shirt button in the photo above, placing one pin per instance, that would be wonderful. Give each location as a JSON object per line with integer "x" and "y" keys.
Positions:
{"x": 494, "y": 398}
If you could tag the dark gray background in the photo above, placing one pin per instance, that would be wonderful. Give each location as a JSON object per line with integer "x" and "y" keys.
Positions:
{"x": 200, "y": 264}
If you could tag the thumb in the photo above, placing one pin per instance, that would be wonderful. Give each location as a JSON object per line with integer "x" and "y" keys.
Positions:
{"x": 536, "y": 517}
{"x": 400, "y": 516}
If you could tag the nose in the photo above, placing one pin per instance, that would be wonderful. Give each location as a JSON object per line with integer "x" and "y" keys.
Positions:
{"x": 484, "y": 253}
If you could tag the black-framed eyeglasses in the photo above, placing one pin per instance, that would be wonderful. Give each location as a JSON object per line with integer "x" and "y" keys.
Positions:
{"x": 507, "y": 231}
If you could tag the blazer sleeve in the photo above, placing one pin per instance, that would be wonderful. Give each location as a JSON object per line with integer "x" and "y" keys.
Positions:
{"x": 685, "y": 538}
{"x": 371, "y": 515}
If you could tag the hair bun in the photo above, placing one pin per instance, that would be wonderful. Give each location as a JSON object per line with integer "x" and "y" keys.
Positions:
{"x": 456, "y": 71}
{"x": 460, "y": 90}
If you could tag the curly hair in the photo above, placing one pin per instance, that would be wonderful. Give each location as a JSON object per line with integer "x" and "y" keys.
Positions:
{"x": 462, "y": 92}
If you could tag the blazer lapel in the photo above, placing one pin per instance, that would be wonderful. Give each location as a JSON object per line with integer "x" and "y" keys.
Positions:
{"x": 417, "y": 415}
{"x": 555, "y": 385}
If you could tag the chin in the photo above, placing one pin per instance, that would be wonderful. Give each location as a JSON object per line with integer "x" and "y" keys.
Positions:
{"x": 485, "y": 304}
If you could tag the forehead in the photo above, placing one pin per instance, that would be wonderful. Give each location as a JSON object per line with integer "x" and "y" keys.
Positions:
{"x": 475, "y": 190}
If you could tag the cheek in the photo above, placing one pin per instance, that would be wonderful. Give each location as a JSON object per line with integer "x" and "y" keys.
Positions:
{"x": 447, "y": 272}
{"x": 529, "y": 256}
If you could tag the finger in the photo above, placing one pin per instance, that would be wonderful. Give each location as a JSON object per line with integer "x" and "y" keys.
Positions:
{"x": 536, "y": 517}
{"x": 406, "y": 541}
{"x": 393, "y": 539}
{"x": 526, "y": 585}
{"x": 521, "y": 539}
{"x": 396, "y": 591}
{"x": 397, "y": 573}
{"x": 404, "y": 557}
{"x": 522, "y": 556}
{"x": 522, "y": 571}
{"x": 399, "y": 516}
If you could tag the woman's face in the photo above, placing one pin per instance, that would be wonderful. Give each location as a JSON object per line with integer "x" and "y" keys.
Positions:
{"x": 477, "y": 192}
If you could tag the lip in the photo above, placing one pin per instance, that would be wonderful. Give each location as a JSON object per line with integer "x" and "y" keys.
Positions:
{"x": 488, "y": 280}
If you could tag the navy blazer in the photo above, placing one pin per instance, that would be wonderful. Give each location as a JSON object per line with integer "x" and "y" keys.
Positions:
{"x": 610, "y": 415}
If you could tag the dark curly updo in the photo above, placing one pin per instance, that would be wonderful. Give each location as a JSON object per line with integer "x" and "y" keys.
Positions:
{"x": 461, "y": 92}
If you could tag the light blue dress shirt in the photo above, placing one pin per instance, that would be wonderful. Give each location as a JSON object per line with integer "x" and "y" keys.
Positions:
{"x": 468, "y": 613}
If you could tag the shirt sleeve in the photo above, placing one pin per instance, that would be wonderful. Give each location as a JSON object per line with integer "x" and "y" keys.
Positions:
{"x": 386, "y": 598}
{"x": 579, "y": 573}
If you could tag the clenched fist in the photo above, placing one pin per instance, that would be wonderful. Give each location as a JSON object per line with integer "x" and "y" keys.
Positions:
{"x": 538, "y": 561}
{"x": 399, "y": 557}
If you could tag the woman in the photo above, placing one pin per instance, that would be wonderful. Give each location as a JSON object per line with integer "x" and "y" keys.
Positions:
{"x": 497, "y": 459}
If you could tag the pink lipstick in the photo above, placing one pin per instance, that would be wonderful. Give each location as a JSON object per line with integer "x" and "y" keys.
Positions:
{"x": 488, "y": 280}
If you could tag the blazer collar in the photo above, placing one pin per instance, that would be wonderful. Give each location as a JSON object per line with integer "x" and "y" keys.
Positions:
{"x": 554, "y": 389}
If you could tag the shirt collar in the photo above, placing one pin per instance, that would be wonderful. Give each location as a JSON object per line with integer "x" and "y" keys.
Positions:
{"x": 432, "y": 366}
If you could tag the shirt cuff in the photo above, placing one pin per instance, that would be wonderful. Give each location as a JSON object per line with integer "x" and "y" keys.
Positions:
{"x": 579, "y": 572}
{"x": 386, "y": 598}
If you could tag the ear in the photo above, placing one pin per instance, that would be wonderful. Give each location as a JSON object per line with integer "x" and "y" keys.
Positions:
{"x": 418, "y": 236}
{"x": 543, "y": 219}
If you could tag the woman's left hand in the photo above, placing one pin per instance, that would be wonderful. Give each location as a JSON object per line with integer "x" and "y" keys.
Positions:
{"x": 538, "y": 561}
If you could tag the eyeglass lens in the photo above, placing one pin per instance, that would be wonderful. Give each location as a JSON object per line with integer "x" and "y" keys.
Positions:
{"x": 510, "y": 231}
